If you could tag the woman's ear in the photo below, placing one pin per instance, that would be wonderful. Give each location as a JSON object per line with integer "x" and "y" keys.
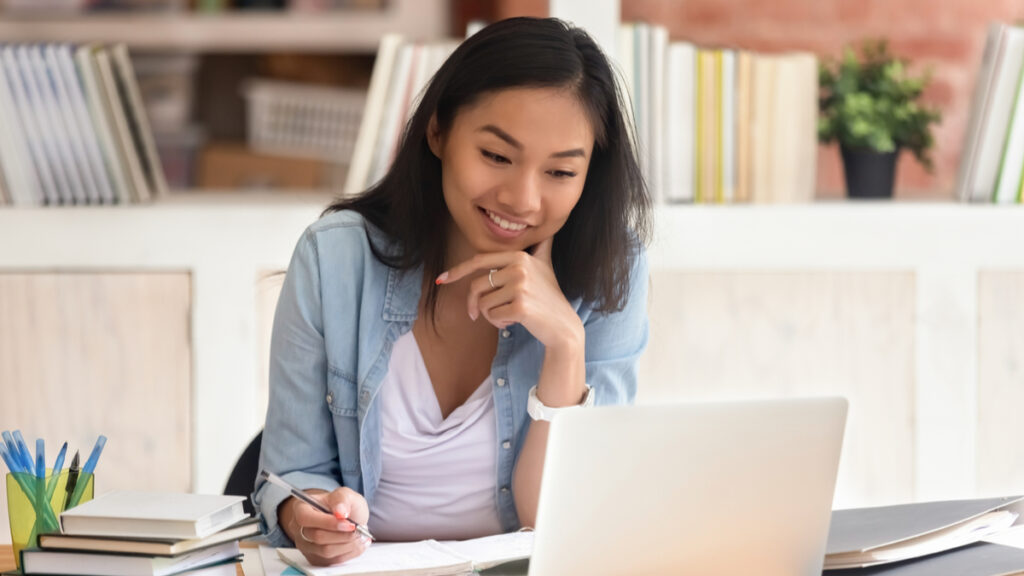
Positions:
{"x": 434, "y": 136}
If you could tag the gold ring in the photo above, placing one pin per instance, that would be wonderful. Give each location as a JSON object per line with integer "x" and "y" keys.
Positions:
{"x": 303, "y": 534}
{"x": 490, "y": 277}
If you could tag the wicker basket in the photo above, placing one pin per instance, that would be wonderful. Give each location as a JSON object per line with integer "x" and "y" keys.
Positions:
{"x": 290, "y": 119}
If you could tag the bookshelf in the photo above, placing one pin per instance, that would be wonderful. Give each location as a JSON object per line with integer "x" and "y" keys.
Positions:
{"x": 948, "y": 302}
{"x": 355, "y": 31}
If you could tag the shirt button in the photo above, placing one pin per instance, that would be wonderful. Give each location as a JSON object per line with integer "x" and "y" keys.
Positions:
{"x": 330, "y": 398}
{"x": 501, "y": 382}
{"x": 505, "y": 333}
{"x": 504, "y": 489}
{"x": 506, "y": 444}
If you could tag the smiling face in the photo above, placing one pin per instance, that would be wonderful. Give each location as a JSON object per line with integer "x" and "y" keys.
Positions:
{"x": 513, "y": 168}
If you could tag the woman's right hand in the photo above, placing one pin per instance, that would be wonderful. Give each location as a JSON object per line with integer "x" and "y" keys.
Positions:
{"x": 322, "y": 538}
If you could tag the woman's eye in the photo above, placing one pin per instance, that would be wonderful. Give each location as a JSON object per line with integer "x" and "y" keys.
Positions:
{"x": 562, "y": 174}
{"x": 495, "y": 157}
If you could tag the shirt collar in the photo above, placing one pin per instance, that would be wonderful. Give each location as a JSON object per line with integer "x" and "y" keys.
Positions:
{"x": 401, "y": 303}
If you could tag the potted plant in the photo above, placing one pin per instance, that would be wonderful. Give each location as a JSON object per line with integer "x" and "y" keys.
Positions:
{"x": 871, "y": 105}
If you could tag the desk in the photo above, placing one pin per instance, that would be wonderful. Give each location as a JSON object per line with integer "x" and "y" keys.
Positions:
{"x": 7, "y": 558}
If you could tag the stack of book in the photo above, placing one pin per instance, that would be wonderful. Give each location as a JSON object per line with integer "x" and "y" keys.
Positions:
{"x": 712, "y": 124}
{"x": 74, "y": 128}
{"x": 992, "y": 164}
{"x": 145, "y": 533}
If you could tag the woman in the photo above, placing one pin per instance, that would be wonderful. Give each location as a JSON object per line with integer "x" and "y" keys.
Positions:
{"x": 498, "y": 266}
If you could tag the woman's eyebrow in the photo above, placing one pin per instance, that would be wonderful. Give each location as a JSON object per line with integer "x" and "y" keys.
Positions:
{"x": 491, "y": 128}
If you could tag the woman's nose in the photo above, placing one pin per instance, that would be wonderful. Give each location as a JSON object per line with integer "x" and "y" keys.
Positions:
{"x": 521, "y": 195}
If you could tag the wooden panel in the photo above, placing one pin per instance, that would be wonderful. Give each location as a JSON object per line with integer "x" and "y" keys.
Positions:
{"x": 1000, "y": 382}
{"x": 729, "y": 335}
{"x": 100, "y": 353}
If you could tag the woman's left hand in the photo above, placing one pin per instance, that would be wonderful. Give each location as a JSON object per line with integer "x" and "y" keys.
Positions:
{"x": 520, "y": 288}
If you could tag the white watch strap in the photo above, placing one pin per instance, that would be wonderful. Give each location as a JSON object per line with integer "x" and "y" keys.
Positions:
{"x": 538, "y": 411}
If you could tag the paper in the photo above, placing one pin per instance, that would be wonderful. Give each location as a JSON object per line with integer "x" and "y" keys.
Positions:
{"x": 493, "y": 550}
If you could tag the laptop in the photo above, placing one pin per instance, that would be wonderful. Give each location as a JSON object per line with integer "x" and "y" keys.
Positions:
{"x": 732, "y": 488}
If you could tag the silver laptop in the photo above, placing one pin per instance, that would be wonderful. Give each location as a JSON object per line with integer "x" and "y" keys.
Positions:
{"x": 736, "y": 488}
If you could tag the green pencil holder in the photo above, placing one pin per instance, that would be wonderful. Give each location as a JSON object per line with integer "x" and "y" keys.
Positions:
{"x": 34, "y": 506}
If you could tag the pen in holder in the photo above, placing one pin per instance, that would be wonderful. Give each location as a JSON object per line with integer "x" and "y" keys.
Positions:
{"x": 34, "y": 504}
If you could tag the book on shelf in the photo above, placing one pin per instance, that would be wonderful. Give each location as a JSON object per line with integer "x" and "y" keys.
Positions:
{"x": 153, "y": 515}
{"x": 992, "y": 161}
{"x": 148, "y": 546}
{"x": 75, "y": 131}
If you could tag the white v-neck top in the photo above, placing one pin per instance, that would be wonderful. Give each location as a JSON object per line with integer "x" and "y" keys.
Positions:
{"x": 438, "y": 476}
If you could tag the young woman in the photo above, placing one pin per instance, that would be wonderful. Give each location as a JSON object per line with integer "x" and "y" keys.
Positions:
{"x": 429, "y": 328}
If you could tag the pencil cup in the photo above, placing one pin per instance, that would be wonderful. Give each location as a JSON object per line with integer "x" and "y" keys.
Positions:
{"x": 34, "y": 506}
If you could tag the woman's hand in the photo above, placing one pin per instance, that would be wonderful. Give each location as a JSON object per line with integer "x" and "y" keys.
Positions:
{"x": 520, "y": 288}
{"x": 322, "y": 538}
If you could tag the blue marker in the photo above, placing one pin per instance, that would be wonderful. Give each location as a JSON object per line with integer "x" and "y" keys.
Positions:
{"x": 40, "y": 458}
{"x": 57, "y": 466}
{"x": 26, "y": 454}
{"x": 12, "y": 463}
{"x": 90, "y": 464}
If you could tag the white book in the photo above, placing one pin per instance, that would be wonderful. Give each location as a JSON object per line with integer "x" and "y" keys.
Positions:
{"x": 37, "y": 561}
{"x": 31, "y": 130}
{"x": 680, "y": 128}
{"x": 992, "y": 136}
{"x": 138, "y": 123}
{"x": 807, "y": 129}
{"x": 129, "y": 153}
{"x": 55, "y": 136}
{"x": 103, "y": 123}
{"x": 981, "y": 103}
{"x": 727, "y": 142}
{"x": 63, "y": 60}
{"x": 656, "y": 102}
{"x": 391, "y": 119}
{"x": 153, "y": 515}
{"x": 369, "y": 127}
{"x": 46, "y": 63}
{"x": 22, "y": 180}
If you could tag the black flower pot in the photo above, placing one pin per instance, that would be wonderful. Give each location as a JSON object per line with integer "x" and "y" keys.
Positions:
{"x": 869, "y": 174}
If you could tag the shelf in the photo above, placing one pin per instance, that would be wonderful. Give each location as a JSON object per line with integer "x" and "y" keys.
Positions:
{"x": 356, "y": 31}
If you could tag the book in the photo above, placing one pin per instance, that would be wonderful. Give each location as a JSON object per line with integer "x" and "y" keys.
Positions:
{"x": 148, "y": 546}
{"x": 153, "y": 515}
{"x": 981, "y": 102}
{"x": 23, "y": 109}
{"x": 138, "y": 123}
{"x": 23, "y": 186}
{"x": 129, "y": 155}
{"x": 865, "y": 537}
{"x": 37, "y": 561}
{"x": 424, "y": 558}
{"x": 103, "y": 122}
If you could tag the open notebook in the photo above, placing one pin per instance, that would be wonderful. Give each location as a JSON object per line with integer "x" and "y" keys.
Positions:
{"x": 424, "y": 558}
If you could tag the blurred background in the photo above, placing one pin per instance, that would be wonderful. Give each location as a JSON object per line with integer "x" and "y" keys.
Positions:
{"x": 148, "y": 318}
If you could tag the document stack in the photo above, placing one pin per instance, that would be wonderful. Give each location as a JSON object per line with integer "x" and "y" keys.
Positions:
{"x": 145, "y": 533}
{"x": 74, "y": 128}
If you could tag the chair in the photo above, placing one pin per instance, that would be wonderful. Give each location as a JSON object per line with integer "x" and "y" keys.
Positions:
{"x": 243, "y": 476}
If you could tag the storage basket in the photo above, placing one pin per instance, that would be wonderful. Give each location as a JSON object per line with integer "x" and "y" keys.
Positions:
{"x": 290, "y": 119}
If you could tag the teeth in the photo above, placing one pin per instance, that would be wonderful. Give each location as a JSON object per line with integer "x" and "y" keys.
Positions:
{"x": 505, "y": 224}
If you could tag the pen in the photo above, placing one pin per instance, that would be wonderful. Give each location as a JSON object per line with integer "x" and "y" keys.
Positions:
{"x": 72, "y": 480}
{"x": 275, "y": 479}
{"x": 87, "y": 471}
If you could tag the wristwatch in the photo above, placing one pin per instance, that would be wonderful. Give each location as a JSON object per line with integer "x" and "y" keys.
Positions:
{"x": 538, "y": 411}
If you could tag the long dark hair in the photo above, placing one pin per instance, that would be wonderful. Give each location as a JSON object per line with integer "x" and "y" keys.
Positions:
{"x": 593, "y": 251}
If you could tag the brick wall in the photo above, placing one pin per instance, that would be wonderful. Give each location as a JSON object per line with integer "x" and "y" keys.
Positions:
{"x": 946, "y": 35}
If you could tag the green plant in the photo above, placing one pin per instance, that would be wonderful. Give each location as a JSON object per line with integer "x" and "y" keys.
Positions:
{"x": 872, "y": 102}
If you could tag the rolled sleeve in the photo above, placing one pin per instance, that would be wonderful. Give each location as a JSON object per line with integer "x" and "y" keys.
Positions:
{"x": 615, "y": 341}
{"x": 298, "y": 439}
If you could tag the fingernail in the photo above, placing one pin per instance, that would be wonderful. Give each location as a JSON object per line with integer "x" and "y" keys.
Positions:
{"x": 346, "y": 527}
{"x": 473, "y": 315}
{"x": 440, "y": 279}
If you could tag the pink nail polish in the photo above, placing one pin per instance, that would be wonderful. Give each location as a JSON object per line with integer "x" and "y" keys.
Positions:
{"x": 440, "y": 279}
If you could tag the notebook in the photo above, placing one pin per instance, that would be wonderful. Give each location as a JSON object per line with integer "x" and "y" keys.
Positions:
{"x": 153, "y": 515}
{"x": 149, "y": 546}
{"x": 424, "y": 558}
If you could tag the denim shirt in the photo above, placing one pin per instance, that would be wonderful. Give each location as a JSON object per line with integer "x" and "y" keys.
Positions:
{"x": 339, "y": 313}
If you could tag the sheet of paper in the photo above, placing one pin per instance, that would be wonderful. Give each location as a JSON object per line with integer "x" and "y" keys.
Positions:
{"x": 273, "y": 565}
{"x": 426, "y": 557}
{"x": 493, "y": 550}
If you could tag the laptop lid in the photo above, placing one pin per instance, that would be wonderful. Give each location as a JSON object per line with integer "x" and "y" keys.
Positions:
{"x": 734, "y": 488}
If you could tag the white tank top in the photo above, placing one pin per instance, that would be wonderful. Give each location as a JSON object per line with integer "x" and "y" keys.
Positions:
{"x": 438, "y": 476}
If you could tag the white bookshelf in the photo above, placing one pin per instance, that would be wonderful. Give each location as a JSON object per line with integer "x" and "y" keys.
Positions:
{"x": 355, "y": 31}
{"x": 226, "y": 242}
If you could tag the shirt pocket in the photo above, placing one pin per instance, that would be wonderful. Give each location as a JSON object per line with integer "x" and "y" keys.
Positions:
{"x": 343, "y": 403}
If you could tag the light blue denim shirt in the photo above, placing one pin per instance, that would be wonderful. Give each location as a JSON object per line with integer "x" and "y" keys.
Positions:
{"x": 339, "y": 313}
